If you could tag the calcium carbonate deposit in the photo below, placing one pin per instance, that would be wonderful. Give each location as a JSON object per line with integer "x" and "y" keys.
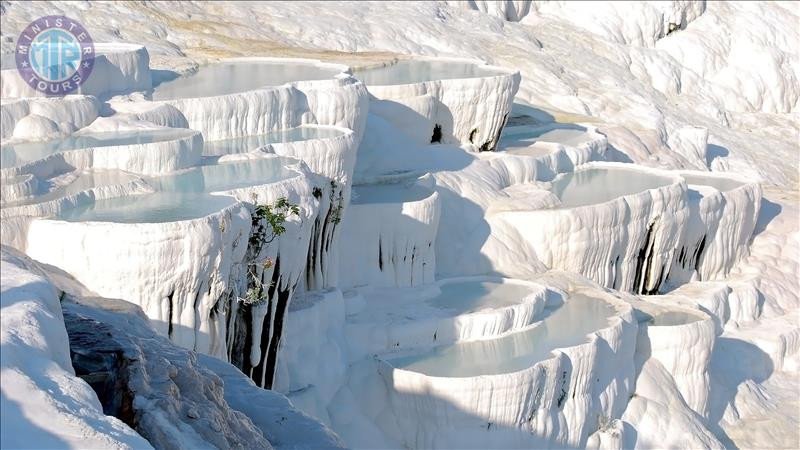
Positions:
{"x": 441, "y": 224}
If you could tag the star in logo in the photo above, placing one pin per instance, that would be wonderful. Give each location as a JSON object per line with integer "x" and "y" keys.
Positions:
{"x": 86, "y": 64}
{"x": 24, "y": 64}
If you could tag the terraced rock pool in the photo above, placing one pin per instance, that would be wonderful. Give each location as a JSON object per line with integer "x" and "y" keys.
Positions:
{"x": 389, "y": 193}
{"x": 563, "y": 326}
{"x": 470, "y": 296}
{"x": 598, "y": 185}
{"x": 230, "y": 77}
{"x": 18, "y": 154}
{"x": 249, "y": 143}
{"x": 719, "y": 183}
{"x": 418, "y": 71}
{"x": 186, "y": 195}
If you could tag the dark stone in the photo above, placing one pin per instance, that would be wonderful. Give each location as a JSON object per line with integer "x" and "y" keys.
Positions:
{"x": 437, "y": 134}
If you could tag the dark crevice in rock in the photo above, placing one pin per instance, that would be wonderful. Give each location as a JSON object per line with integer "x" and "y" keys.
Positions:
{"x": 643, "y": 259}
{"x": 380, "y": 255}
{"x": 170, "y": 307}
{"x": 101, "y": 361}
{"x": 491, "y": 145}
{"x": 699, "y": 253}
{"x": 437, "y": 134}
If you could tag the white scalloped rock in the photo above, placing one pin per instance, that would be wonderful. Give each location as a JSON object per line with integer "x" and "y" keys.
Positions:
{"x": 468, "y": 109}
{"x": 619, "y": 272}
{"x": 398, "y": 249}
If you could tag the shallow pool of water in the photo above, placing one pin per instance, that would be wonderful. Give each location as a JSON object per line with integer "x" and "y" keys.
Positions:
{"x": 470, "y": 296}
{"x": 388, "y": 193}
{"x": 417, "y": 71}
{"x": 598, "y": 185}
{"x": 149, "y": 208}
{"x": 230, "y": 77}
{"x": 249, "y": 143}
{"x": 19, "y": 154}
{"x": 672, "y": 318}
{"x": 567, "y": 135}
{"x": 721, "y": 184}
{"x": 564, "y": 326}
{"x": 186, "y": 195}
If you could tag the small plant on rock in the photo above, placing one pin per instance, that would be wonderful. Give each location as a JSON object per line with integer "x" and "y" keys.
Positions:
{"x": 268, "y": 222}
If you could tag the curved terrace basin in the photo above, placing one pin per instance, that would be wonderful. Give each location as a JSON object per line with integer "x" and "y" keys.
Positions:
{"x": 673, "y": 318}
{"x": 718, "y": 183}
{"x": 418, "y": 71}
{"x": 74, "y": 183}
{"x": 230, "y": 77}
{"x": 186, "y": 195}
{"x": 18, "y": 154}
{"x": 389, "y": 193}
{"x": 564, "y": 326}
{"x": 598, "y": 185}
{"x": 249, "y": 143}
{"x": 566, "y": 134}
{"x": 445, "y": 299}
{"x": 150, "y": 208}
{"x": 471, "y": 296}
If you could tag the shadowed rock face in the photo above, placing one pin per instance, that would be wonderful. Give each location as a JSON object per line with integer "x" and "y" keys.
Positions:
{"x": 155, "y": 387}
{"x": 100, "y": 360}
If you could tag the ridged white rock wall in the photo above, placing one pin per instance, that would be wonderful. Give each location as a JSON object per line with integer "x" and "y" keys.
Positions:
{"x": 720, "y": 227}
{"x": 152, "y": 158}
{"x": 559, "y": 400}
{"x": 626, "y": 243}
{"x": 188, "y": 275}
{"x": 370, "y": 338}
{"x": 684, "y": 350}
{"x": 68, "y": 114}
{"x": 390, "y": 244}
{"x": 468, "y": 111}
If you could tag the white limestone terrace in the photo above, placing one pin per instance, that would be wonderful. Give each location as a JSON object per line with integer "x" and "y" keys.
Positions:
{"x": 654, "y": 207}
{"x": 186, "y": 195}
{"x": 389, "y": 232}
{"x": 119, "y": 68}
{"x": 447, "y": 100}
{"x": 682, "y": 339}
{"x": 148, "y": 151}
{"x": 41, "y": 119}
{"x": 567, "y": 134}
{"x": 182, "y": 211}
{"x": 238, "y": 97}
{"x": 725, "y": 210}
{"x": 468, "y": 362}
{"x": 246, "y": 144}
{"x": 540, "y": 140}
{"x": 445, "y": 312}
{"x": 519, "y": 366}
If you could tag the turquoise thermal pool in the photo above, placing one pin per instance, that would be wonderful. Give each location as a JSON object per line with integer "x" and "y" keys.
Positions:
{"x": 563, "y": 326}
{"x": 18, "y": 154}
{"x": 230, "y": 77}
{"x": 186, "y": 195}
{"x": 249, "y": 143}
{"x": 598, "y": 185}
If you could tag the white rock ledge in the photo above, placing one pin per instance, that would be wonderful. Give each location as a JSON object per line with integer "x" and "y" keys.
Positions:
{"x": 466, "y": 111}
{"x": 403, "y": 320}
{"x": 559, "y": 400}
{"x": 389, "y": 235}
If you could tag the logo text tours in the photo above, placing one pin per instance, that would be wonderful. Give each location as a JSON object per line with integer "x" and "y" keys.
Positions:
{"x": 55, "y": 55}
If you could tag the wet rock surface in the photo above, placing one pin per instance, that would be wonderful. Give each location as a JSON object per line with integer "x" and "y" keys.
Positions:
{"x": 155, "y": 387}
